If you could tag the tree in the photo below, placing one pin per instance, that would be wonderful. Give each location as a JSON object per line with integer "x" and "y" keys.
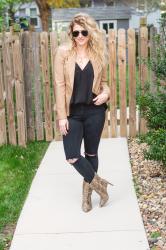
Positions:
{"x": 46, "y": 5}
{"x": 70, "y": 3}
{"x": 145, "y": 5}
{"x": 10, "y": 6}
{"x": 109, "y": 2}
{"x": 85, "y": 3}
{"x": 163, "y": 6}
{"x": 44, "y": 8}
{"x": 2, "y": 7}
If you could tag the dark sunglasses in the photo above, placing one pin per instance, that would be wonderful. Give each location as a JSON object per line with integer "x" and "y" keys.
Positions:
{"x": 83, "y": 32}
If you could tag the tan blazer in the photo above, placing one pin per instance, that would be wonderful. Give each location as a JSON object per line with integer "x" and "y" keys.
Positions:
{"x": 64, "y": 64}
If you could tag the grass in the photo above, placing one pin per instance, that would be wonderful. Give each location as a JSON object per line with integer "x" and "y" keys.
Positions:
{"x": 17, "y": 168}
{"x": 136, "y": 187}
{"x": 155, "y": 234}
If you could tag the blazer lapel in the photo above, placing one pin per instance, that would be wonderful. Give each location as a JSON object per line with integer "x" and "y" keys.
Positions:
{"x": 71, "y": 65}
{"x": 95, "y": 72}
{"x": 96, "y": 68}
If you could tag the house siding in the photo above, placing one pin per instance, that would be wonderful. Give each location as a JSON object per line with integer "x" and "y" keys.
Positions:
{"x": 123, "y": 24}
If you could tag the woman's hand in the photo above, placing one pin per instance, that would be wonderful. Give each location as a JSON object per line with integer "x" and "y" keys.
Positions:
{"x": 63, "y": 126}
{"x": 101, "y": 98}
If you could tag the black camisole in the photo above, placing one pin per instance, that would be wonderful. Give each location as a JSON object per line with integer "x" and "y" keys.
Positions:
{"x": 83, "y": 82}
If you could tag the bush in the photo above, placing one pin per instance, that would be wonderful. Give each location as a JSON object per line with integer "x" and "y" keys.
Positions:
{"x": 153, "y": 105}
{"x": 153, "y": 109}
{"x": 157, "y": 145}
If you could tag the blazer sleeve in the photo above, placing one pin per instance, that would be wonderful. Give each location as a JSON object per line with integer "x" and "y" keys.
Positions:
{"x": 59, "y": 84}
{"x": 104, "y": 87}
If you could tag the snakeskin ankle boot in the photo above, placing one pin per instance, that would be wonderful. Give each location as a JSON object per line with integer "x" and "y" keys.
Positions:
{"x": 100, "y": 186}
{"x": 86, "y": 193}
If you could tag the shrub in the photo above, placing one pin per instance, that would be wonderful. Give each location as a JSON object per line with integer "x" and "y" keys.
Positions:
{"x": 157, "y": 145}
{"x": 153, "y": 108}
{"x": 153, "y": 105}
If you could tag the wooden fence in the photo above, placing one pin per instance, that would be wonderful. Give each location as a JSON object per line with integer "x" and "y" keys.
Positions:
{"x": 27, "y": 103}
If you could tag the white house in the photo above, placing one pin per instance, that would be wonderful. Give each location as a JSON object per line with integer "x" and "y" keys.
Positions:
{"x": 119, "y": 14}
{"x": 152, "y": 17}
{"x": 31, "y": 12}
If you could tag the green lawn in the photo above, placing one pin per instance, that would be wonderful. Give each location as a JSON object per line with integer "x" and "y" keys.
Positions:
{"x": 17, "y": 168}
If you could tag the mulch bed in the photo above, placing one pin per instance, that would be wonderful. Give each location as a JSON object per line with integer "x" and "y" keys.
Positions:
{"x": 150, "y": 184}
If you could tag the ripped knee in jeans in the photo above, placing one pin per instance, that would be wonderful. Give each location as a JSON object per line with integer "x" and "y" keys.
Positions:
{"x": 89, "y": 154}
{"x": 71, "y": 161}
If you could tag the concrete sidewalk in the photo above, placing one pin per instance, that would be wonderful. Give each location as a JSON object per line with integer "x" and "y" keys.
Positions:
{"x": 52, "y": 219}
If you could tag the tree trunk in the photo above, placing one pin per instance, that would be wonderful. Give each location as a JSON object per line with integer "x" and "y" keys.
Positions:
{"x": 11, "y": 15}
{"x": 44, "y": 10}
{"x": 44, "y": 15}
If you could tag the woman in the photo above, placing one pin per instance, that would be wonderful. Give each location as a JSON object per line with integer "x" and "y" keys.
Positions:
{"x": 81, "y": 95}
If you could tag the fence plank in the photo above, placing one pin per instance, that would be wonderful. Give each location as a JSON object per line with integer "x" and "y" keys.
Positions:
{"x": 46, "y": 86}
{"x": 9, "y": 85}
{"x": 143, "y": 70}
{"x": 37, "y": 86}
{"x": 153, "y": 32}
{"x": 53, "y": 45}
{"x": 28, "y": 80}
{"x": 122, "y": 80}
{"x": 105, "y": 132}
{"x": 112, "y": 69}
{"x": 132, "y": 81}
{"x": 19, "y": 90}
{"x": 63, "y": 37}
{"x": 3, "y": 132}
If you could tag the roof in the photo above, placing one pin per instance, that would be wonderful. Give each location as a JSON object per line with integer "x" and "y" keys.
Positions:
{"x": 27, "y": 5}
{"x": 98, "y": 13}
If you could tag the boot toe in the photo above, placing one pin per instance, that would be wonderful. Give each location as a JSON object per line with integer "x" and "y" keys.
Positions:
{"x": 86, "y": 208}
{"x": 103, "y": 201}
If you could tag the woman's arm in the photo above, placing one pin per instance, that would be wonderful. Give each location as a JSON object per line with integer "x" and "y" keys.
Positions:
{"x": 59, "y": 83}
{"x": 104, "y": 87}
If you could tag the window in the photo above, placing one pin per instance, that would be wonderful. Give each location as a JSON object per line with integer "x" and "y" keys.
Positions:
{"x": 62, "y": 26}
{"x": 34, "y": 21}
{"x": 106, "y": 25}
{"x": 141, "y": 5}
{"x": 22, "y": 12}
{"x": 110, "y": 2}
{"x": 33, "y": 12}
{"x": 33, "y": 17}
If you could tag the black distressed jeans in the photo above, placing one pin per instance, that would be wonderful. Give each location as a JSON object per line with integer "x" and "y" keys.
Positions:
{"x": 85, "y": 122}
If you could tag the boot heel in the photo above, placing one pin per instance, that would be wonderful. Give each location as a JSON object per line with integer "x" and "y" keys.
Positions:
{"x": 107, "y": 182}
{"x": 110, "y": 183}
{"x": 100, "y": 186}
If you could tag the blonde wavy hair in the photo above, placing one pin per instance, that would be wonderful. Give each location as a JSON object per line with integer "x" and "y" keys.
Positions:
{"x": 96, "y": 43}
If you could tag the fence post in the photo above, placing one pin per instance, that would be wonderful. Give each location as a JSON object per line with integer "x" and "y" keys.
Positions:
{"x": 122, "y": 81}
{"x": 53, "y": 46}
{"x": 3, "y": 132}
{"x": 37, "y": 86}
{"x": 9, "y": 86}
{"x": 28, "y": 66}
{"x": 19, "y": 90}
{"x": 153, "y": 32}
{"x": 143, "y": 70}
{"x": 132, "y": 82}
{"x": 46, "y": 85}
{"x": 112, "y": 69}
{"x": 105, "y": 132}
